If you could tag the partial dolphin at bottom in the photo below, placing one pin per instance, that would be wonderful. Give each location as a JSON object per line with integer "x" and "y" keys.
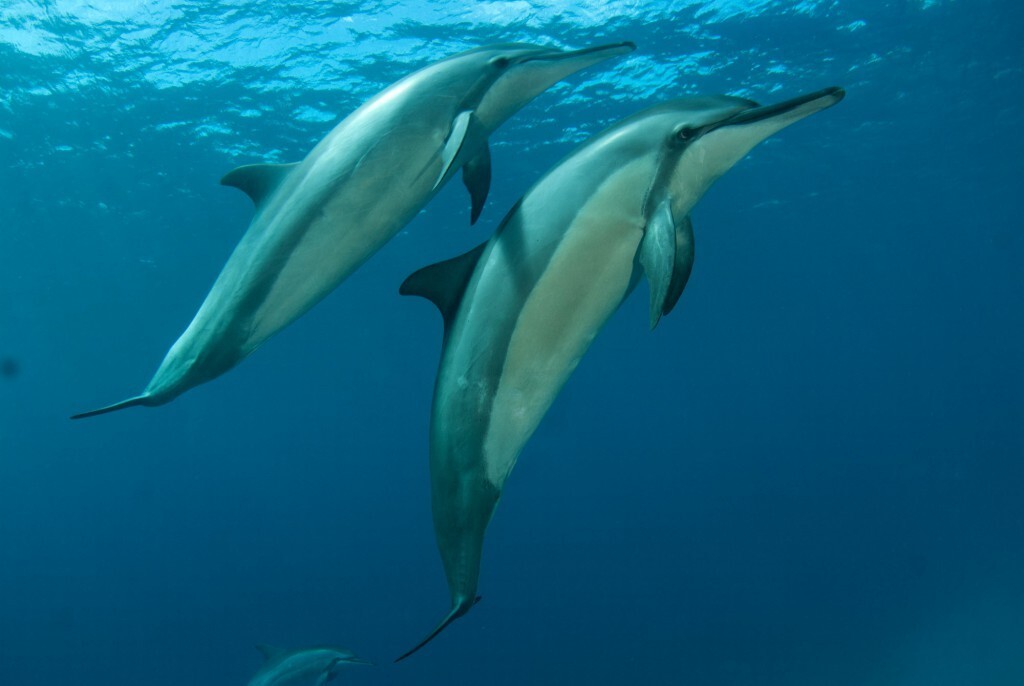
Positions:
{"x": 293, "y": 667}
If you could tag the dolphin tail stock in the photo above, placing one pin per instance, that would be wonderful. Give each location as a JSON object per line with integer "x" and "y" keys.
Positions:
{"x": 457, "y": 611}
{"x": 130, "y": 402}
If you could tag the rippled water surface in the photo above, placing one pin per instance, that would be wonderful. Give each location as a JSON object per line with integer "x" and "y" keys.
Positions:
{"x": 810, "y": 473}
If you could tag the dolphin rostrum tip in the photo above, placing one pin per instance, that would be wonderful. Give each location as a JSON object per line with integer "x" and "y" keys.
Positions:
{"x": 360, "y": 661}
{"x": 622, "y": 47}
{"x": 836, "y": 93}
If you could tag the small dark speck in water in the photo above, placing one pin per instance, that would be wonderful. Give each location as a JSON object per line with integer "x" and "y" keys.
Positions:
{"x": 9, "y": 367}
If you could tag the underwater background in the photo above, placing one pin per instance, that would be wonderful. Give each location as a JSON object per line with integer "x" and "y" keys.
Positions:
{"x": 810, "y": 473}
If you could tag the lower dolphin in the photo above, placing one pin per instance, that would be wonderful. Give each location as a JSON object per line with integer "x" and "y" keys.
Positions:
{"x": 521, "y": 310}
{"x": 318, "y": 220}
{"x": 294, "y": 667}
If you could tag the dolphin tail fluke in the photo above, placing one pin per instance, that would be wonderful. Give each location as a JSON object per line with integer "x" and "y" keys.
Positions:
{"x": 457, "y": 611}
{"x": 130, "y": 402}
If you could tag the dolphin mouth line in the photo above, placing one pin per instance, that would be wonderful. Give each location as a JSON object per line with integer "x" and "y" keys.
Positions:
{"x": 763, "y": 112}
{"x": 613, "y": 48}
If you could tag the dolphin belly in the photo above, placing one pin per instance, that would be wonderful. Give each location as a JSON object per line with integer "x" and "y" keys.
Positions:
{"x": 340, "y": 234}
{"x": 586, "y": 280}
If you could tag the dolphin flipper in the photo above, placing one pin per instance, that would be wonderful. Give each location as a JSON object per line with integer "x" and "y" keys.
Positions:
{"x": 452, "y": 146}
{"x": 463, "y": 139}
{"x": 684, "y": 264}
{"x": 130, "y": 402}
{"x": 658, "y": 257}
{"x": 476, "y": 175}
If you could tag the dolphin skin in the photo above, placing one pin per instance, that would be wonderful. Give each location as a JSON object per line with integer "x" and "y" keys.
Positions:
{"x": 300, "y": 667}
{"x": 319, "y": 219}
{"x": 522, "y": 309}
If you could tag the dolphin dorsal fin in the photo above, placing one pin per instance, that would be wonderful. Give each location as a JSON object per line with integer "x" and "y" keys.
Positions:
{"x": 269, "y": 652}
{"x": 658, "y": 257}
{"x": 444, "y": 283}
{"x": 683, "y": 266}
{"x": 258, "y": 180}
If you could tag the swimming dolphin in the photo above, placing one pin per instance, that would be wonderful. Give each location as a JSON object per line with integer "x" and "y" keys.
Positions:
{"x": 522, "y": 309}
{"x": 285, "y": 667}
{"x": 318, "y": 220}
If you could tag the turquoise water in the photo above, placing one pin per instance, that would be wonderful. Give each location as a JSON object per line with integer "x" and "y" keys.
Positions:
{"x": 809, "y": 473}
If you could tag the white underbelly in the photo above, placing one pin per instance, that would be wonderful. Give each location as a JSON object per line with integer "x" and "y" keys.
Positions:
{"x": 585, "y": 282}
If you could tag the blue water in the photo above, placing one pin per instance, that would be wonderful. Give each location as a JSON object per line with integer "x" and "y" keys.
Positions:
{"x": 810, "y": 473}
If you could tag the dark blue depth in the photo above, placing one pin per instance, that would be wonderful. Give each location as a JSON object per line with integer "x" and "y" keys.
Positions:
{"x": 810, "y": 473}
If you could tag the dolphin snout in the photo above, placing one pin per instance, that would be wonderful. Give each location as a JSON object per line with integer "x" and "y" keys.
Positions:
{"x": 575, "y": 60}
{"x": 811, "y": 102}
{"x": 357, "y": 661}
{"x": 601, "y": 51}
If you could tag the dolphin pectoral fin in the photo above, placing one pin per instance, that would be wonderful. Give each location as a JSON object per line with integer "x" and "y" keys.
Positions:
{"x": 476, "y": 175}
{"x": 452, "y": 154}
{"x": 683, "y": 266}
{"x": 658, "y": 257}
{"x": 130, "y": 402}
{"x": 325, "y": 676}
{"x": 445, "y": 282}
{"x": 258, "y": 180}
{"x": 457, "y": 611}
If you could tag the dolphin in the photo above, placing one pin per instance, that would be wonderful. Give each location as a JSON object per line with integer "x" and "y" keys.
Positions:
{"x": 318, "y": 220}
{"x": 285, "y": 667}
{"x": 521, "y": 309}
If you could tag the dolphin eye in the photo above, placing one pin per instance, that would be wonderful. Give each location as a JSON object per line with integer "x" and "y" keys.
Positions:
{"x": 501, "y": 62}
{"x": 687, "y": 133}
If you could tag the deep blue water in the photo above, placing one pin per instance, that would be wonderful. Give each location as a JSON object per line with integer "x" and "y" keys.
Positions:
{"x": 810, "y": 473}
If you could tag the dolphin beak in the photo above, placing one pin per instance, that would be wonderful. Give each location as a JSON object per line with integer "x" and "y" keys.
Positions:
{"x": 794, "y": 109}
{"x": 357, "y": 661}
{"x": 599, "y": 52}
{"x": 571, "y": 61}
{"x": 722, "y": 144}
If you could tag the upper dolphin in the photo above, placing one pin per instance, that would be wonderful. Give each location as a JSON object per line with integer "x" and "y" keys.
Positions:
{"x": 522, "y": 309}
{"x": 295, "y": 667}
{"x": 319, "y": 219}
